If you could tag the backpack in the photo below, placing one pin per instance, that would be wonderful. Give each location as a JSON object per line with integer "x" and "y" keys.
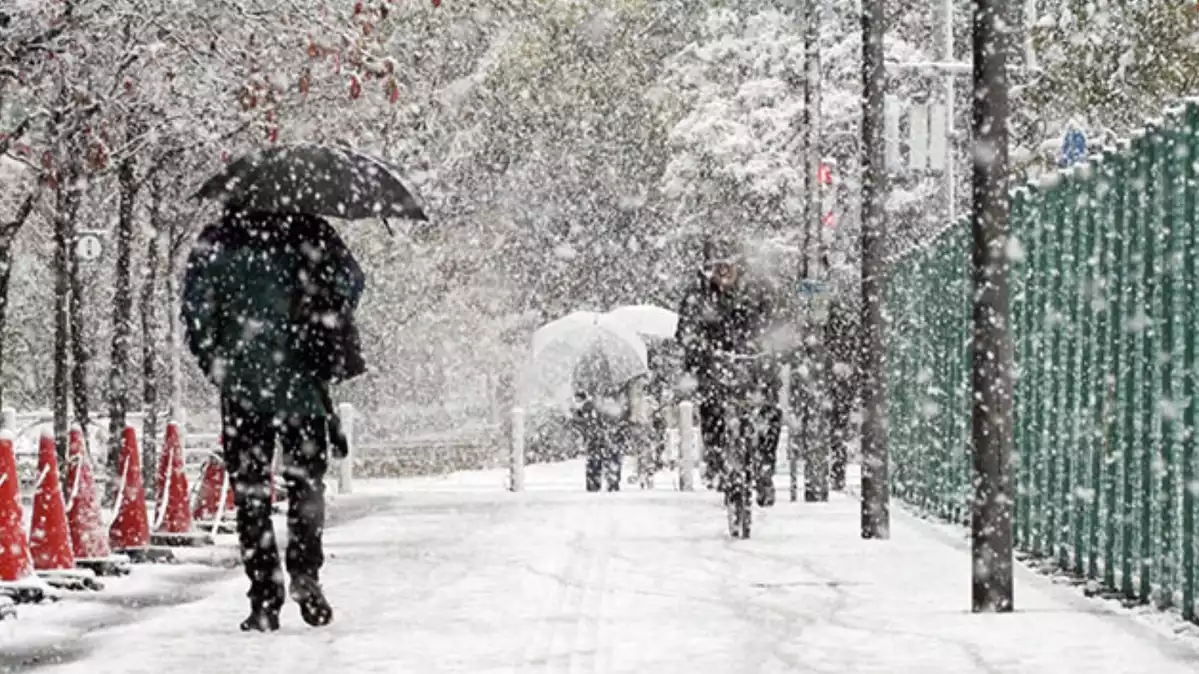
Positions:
{"x": 326, "y": 336}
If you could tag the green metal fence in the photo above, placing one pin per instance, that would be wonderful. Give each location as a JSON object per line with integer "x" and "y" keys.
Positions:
{"x": 1105, "y": 302}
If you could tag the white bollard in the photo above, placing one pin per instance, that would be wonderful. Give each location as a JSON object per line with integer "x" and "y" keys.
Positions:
{"x": 10, "y": 420}
{"x": 687, "y": 447}
{"x": 782, "y": 456}
{"x": 516, "y": 465}
{"x": 345, "y": 472}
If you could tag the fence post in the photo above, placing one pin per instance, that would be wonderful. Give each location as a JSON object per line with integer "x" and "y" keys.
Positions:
{"x": 345, "y": 472}
{"x": 686, "y": 446}
{"x": 10, "y": 420}
{"x": 516, "y": 460}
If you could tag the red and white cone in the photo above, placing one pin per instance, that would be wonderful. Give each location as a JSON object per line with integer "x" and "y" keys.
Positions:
{"x": 89, "y": 540}
{"x": 49, "y": 535}
{"x": 18, "y": 582}
{"x": 172, "y": 517}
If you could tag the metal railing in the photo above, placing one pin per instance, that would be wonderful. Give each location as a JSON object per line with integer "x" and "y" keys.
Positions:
{"x": 1105, "y": 300}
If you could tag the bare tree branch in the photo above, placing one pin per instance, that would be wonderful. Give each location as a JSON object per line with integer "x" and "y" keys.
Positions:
{"x": 15, "y": 134}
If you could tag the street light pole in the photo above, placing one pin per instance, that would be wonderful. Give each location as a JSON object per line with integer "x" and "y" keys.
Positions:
{"x": 816, "y": 483}
{"x": 876, "y": 515}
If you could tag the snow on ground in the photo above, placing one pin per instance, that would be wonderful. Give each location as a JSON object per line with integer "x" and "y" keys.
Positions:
{"x": 457, "y": 575}
{"x": 56, "y": 630}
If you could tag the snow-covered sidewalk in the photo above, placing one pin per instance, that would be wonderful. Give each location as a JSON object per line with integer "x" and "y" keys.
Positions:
{"x": 457, "y": 575}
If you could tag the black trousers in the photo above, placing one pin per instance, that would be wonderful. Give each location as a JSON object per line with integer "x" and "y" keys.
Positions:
{"x": 603, "y": 440}
{"x": 249, "y": 445}
{"x": 712, "y": 429}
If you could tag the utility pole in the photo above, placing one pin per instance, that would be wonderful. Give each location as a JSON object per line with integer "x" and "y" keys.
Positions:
{"x": 992, "y": 357}
{"x": 876, "y": 515}
{"x": 816, "y": 465}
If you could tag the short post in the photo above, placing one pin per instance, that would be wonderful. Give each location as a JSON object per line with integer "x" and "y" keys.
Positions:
{"x": 516, "y": 465}
{"x": 345, "y": 472}
{"x": 782, "y": 458}
{"x": 10, "y": 420}
{"x": 686, "y": 446}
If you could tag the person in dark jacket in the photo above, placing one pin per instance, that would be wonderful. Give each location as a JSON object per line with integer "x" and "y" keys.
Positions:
{"x": 247, "y": 283}
{"x": 600, "y": 416}
{"x": 841, "y": 335}
{"x": 726, "y": 310}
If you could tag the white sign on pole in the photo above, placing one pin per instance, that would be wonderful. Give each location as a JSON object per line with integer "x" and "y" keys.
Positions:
{"x": 88, "y": 247}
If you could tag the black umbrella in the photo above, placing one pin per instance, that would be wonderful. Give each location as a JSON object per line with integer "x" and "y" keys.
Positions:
{"x": 313, "y": 179}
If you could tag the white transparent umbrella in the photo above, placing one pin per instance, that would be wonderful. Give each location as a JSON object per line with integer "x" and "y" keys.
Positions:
{"x": 647, "y": 320}
{"x": 561, "y": 346}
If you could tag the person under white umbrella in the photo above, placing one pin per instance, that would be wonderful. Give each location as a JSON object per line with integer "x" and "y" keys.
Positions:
{"x": 595, "y": 359}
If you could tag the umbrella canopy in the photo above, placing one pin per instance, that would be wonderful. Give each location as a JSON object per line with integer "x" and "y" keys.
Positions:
{"x": 585, "y": 349}
{"x": 313, "y": 179}
{"x": 647, "y": 320}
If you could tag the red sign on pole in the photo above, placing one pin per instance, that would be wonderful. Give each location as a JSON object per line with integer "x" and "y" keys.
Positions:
{"x": 824, "y": 175}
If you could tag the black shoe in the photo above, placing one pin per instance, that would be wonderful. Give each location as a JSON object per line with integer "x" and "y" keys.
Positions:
{"x": 261, "y": 620}
{"x": 314, "y": 608}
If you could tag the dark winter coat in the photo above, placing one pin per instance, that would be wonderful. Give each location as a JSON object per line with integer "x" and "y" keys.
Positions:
{"x": 245, "y": 284}
{"x": 711, "y": 320}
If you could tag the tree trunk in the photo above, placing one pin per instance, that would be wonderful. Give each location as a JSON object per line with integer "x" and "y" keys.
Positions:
{"x": 122, "y": 314}
{"x": 876, "y": 514}
{"x": 992, "y": 351}
{"x": 174, "y": 330}
{"x": 5, "y": 277}
{"x": 8, "y": 236}
{"x": 79, "y": 351}
{"x": 149, "y": 335}
{"x": 66, "y": 201}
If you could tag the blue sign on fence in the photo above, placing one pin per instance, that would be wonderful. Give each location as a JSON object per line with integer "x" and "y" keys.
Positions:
{"x": 810, "y": 287}
{"x": 1074, "y": 147}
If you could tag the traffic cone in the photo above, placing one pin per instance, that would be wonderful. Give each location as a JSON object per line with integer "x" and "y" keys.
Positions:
{"x": 209, "y": 513}
{"x": 172, "y": 517}
{"x": 129, "y": 533}
{"x": 88, "y": 539}
{"x": 17, "y": 579}
{"x": 49, "y": 536}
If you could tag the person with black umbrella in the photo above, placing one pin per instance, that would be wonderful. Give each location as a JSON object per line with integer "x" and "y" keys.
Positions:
{"x": 248, "y": 281}
{"x": 268, "y": 304}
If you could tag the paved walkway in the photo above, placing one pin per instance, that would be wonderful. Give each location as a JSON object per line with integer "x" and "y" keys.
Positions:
{"x": 456, "y": 575}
